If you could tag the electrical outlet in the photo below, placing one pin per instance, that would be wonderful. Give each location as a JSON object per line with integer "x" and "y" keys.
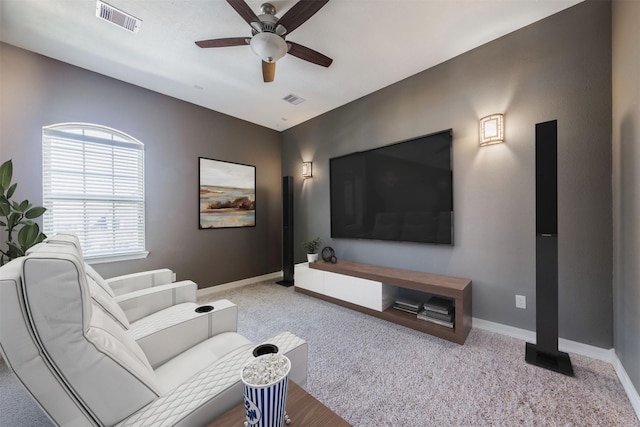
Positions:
{"x": 521, "y": 301}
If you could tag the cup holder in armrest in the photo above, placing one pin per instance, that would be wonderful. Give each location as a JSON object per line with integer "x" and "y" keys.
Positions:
{"x": 204, "y": 309}
{"x": 265, "y": 349}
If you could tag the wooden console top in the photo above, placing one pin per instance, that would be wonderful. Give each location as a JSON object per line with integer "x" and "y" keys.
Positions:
{"x": 416, "y": 280}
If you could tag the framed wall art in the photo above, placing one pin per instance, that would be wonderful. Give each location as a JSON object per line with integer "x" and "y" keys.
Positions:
{"x": 227, "y": 194}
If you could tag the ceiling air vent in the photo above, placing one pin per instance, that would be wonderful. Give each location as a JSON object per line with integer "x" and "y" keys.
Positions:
{"x": 117, "y": 17}
{"x": 293, "y": 99}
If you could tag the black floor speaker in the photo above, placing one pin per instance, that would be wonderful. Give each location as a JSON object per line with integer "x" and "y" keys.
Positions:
{"x": 287, "y": 231}
{"x": 545, "y": 352}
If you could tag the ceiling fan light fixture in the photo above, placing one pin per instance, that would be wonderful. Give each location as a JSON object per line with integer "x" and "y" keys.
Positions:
{"x": 268, "y": 46}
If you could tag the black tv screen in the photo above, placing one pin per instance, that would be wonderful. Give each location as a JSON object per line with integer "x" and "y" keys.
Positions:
{"x": 399, "y": 192}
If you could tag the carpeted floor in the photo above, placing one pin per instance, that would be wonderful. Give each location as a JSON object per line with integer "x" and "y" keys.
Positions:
{"x": 375, "y": 373}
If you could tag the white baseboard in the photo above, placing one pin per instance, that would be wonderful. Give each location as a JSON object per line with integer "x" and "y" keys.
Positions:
{"x": 632, "y": 393}
{"x": 569, "y": 346}
{"x": 211, "y": 290}
{"x": 499, "y": 328}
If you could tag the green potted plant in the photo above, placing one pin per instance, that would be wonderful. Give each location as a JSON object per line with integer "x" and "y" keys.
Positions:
{"x": 17, "y": 217}
{"x": 311, "y": 247}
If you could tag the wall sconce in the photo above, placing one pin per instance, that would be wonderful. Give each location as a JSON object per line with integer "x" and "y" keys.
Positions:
{"x": 306, "y": 170}
{"x": 491, "y": 129}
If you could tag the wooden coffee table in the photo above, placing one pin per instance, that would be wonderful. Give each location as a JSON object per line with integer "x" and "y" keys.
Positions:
{"x": 303, "y": 409}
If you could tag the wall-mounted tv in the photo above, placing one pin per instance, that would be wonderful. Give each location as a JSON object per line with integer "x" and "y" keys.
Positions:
{"x": 399, "y": 192}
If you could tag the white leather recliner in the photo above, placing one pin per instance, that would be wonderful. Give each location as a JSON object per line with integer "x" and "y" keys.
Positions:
{"x": 138, "y": 294}
{"x": 140, "y": 302}
{"x": 84, "y": 367}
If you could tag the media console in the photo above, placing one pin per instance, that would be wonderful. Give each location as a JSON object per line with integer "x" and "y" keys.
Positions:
{"x": 373, "y": 289}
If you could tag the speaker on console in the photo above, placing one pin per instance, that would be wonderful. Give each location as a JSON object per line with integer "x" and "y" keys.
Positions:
{"x": 545, "y": 352}
{"x": 287, "y": 231}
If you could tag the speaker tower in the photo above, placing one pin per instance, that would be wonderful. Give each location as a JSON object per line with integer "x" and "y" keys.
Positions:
{"x": 287, "y": 231}
{"x": 545, "y": 352}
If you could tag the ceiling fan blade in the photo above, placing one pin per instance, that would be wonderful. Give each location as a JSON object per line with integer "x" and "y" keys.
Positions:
{"x": 268, "y": 71}
{"x": 244, "y": 11}
{"x": 308, "y": 54}
{"x": 230, "y": 41}
{"x": 300, "y": 13}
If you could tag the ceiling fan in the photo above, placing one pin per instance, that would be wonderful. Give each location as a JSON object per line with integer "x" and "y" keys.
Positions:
{"x": 268, "y": 34}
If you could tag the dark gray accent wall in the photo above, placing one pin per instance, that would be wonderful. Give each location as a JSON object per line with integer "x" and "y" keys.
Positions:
{"x": 558, "y": 68}
{"x": 37, "y": 91}
{"x": 626, "y": 186}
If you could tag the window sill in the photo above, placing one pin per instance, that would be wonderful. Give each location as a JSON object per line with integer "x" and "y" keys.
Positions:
{"x": 116, "y": 258}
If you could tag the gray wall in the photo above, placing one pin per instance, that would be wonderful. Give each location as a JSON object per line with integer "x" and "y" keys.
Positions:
{"x": 38, "y": 91}
{"x": 558, "y": 68}
{"x": 626, "y": 185}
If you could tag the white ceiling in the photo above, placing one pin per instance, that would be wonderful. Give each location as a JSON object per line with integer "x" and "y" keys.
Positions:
{"x": 374, "y": 43}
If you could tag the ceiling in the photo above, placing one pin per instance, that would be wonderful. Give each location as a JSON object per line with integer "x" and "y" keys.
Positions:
{"x": 373, "y": 44}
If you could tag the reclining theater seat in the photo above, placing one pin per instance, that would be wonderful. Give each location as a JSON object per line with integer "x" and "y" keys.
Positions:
{"x": 145, "y": 315}
{"x": 139, "y": 294}
{"x": 84, "y": 368}
{"x": 122, "y": 284}
{"x": 143, "y": 311}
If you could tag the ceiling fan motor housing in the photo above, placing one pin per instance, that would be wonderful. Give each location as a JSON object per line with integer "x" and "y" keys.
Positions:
{"x": 266, "y": 42}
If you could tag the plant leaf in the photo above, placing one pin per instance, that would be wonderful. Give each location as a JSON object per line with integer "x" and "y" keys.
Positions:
{"x": 35, "y": 212}
{"x": 14, "y": 250}
{"x": 5, "y": 209}
{"x": 13, "y": 219}
{"x": 6, "y": 172}
{"x": 24, "y": 206}
{"x": 28, "y": 235}
{"x": 11, "y": 190}
{"x": 40, "y": 238}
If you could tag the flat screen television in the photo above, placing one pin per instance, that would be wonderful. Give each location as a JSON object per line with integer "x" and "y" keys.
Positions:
{"x": 400, "y": 192}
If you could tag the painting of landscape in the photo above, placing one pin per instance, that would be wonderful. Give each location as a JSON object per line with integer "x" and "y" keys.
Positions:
{"x": 227, "y": 194}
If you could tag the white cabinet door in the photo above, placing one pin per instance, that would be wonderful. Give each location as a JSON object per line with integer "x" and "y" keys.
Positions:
{"x": 366, "y": 293}
{"x": 307, "y": 278}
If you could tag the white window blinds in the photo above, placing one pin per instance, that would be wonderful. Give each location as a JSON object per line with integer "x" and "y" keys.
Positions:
{"x": 93, "y": 186}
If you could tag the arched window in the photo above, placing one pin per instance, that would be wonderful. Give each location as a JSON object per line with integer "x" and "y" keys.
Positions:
{"x": 93, "y": 186}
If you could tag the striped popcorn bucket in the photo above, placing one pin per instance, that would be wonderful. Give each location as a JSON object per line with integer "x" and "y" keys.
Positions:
{"x": 265, "y": 381}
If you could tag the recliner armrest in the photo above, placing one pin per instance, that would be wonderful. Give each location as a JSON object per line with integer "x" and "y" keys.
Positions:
{"x": 213, "y": 391}
{"x": 142, "y": 280}
{"x": 164, "y": 337}
{"x": 144, "y": 302}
